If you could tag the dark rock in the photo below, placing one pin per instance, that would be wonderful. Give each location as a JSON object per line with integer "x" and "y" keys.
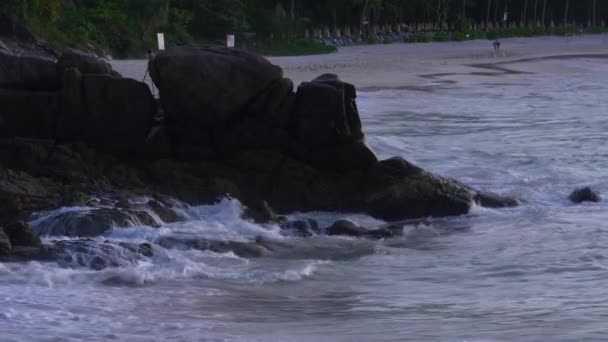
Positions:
{"x": 319, "y": 115}
{"x": 491, "y": 200}
{"x": 25, "y": 154}
{"x": 28, "y": 72}
{"x": 584, "y": 195}
{"x": 5, "y": 244}
{"x": 326, "y": 122}
{"x": 90, "y": 223}
{"x": 350, "y": 105}
{"x": 241, "y": 249}
{"x": 344, "y": 157}
{"x": 385, "y": 232}
{"x": 98, "y": 256}
{"x": 346, "y": 228}
{"x": 158, "y": 144}
{"x": 21, "y": 234}
{"x": 257, "y": 160}
{"x": 166, "y": 214}
{"x": 113, "y": 115}
{"x": 86, "y": 63}
{"x": 268, "y": 104}
{"x": 146, "y": 250}
{"x": 325, "y": 114}
{"x": 250, "y": 134}
{"x": 399, "y": 190}
{"x": 189, "y": 153}
{"x": 28, "y": 113}
{"x": 259, "y": 212}
{"x": 302, "y": 228}
{"x": 21, "y": 193}
{"x": 208, "y": 86}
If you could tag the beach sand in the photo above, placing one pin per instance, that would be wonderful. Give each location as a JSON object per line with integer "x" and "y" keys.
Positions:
{"x": 405, "y": 66}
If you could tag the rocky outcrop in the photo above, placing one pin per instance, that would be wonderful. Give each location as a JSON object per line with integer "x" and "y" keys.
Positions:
{"x": 229, "y": 124}
{"x": 28, "y": 72}
{"x": 86, "y": 63}
{"x": 209, "y": 86}
{"x": 110, "y": 114}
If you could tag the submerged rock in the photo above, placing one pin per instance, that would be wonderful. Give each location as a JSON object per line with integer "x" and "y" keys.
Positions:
{"x": 492, "y": 200}
{"x": 348, "y": 228}
{"x": 90, "y": 223}
{"x": 585, "y": 194}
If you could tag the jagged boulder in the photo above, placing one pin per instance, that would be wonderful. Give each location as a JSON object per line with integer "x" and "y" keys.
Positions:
{"x": 86, "y": 63}
{"x": 208, "y": 86}
{"x": 21, "y": 193}
{"x": 397, "y": 189}
{"x": 90, "y": 223}
{"x": 28, "y": 72}
{"x": 29, "y": 114}
{"x": 113, "y": 115}
{"x": 21, "y": 234}
{"x": 327, "y": 125}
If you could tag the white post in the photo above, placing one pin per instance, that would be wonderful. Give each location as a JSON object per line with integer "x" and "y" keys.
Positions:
{"x": 230, "y": 40}
{"x": 161, "y": 41}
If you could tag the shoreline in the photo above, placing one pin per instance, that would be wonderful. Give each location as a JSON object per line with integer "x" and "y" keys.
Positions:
{"x": 419, "y": 66}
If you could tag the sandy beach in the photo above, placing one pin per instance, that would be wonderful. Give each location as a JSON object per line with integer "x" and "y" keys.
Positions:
{"x": 406, "y": 66}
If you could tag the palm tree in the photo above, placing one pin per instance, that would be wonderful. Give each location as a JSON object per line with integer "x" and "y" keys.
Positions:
{"x": 544, "y": 11}
{"x": 593, "y": 11}
{"x": 488, "y": 13}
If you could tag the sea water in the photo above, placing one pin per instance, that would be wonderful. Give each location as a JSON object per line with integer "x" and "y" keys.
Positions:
{"x": 534, "y": 273}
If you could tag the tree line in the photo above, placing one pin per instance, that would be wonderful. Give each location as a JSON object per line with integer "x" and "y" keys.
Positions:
{"x": 124, "y": 26}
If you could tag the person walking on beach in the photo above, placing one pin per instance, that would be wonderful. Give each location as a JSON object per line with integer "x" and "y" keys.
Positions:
{"x": 496, "y": 45}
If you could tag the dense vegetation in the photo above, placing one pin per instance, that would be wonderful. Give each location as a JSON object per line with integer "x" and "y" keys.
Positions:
{"x": 127, "y": 27}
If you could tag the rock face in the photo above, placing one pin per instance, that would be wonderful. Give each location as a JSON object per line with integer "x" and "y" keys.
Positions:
{"x": 28, "y": 72}
{"x": 28, "y": 113}
{"x": 584, "y": 195}
{"x": 208, "y": 86}
{"x": 86, "y": 63}
{"x": 95, "y": 105}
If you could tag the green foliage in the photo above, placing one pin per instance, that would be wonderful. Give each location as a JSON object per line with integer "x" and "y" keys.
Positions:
{"x": 372, "y": 40}
{"x": 420, "y": 37}
{"x": 129, "y": 27}
{"x": 441, "y": 37}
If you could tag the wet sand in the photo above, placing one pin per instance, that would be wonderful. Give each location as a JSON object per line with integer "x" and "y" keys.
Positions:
{"x": 419, "y": 66}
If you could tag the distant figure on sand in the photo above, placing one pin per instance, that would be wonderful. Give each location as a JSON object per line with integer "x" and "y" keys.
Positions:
{"x": 496, "y": 45}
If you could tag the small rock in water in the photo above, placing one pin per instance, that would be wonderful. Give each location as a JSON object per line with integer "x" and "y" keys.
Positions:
{"x": 303, "y": 228}
{"x": 585, "y": 194}
{"x": 492, "y": 200}
{"x": 344, "y": 227}
{"x": 348, "y": 228}
{"x": 260, "y": 212}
